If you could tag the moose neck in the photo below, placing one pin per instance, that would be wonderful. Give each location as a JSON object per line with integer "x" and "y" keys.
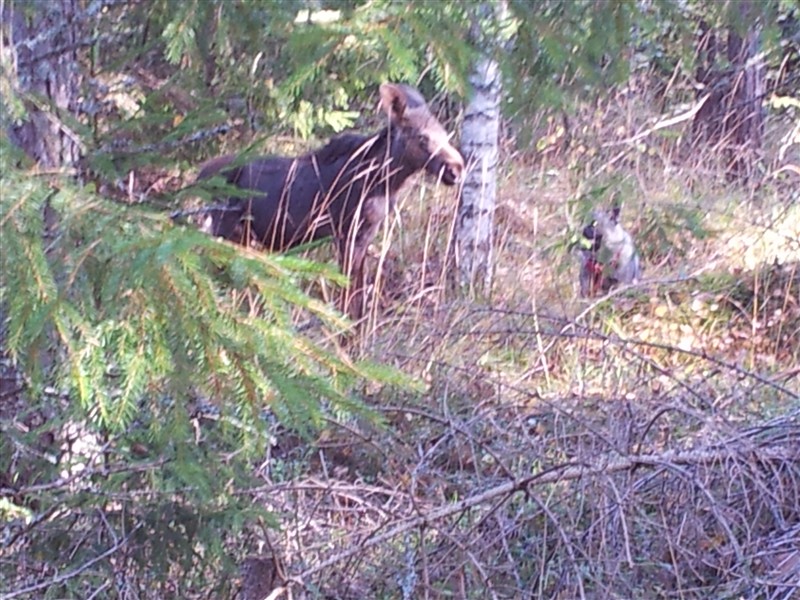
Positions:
{"x": 389, "y": 152}
{"x": 355, "y": 167}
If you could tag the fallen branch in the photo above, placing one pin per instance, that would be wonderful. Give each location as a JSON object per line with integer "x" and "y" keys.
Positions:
{"x": 560, "y": 473}
{"x": 58, "y": 579}
{"x": 689, "y": 114}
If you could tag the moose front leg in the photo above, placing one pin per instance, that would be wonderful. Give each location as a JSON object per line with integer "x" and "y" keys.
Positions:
{"x": 353, "y": 254}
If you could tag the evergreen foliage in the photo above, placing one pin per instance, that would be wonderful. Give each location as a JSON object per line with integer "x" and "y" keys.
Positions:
{"x": 175, "y": 350}
{"x": 136, "y": 307}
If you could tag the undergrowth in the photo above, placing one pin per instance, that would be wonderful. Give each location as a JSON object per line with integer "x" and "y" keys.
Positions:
{"x": 644, "y": 444}
{"x": 639, "y": 445}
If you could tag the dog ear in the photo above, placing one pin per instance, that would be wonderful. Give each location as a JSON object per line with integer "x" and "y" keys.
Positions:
{"x": 615, "y": 213}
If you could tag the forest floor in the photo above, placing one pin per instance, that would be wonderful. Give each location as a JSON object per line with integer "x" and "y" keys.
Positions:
{"x": 622, "y": 446}
{"x": 638, "y": 445}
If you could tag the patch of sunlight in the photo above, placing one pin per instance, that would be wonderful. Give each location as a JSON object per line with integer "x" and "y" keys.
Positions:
{"x": 775, "y": 237}
{"x": 318, "y": 16}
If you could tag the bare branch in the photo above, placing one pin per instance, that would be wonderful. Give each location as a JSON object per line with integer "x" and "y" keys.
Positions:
{"x": 58, "y": 579}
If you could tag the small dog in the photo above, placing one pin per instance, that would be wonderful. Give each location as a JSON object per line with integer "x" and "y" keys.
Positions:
{"x": 608, "y": 256}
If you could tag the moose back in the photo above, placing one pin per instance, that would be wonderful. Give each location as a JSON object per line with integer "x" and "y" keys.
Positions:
{"x": 343, "y": 190}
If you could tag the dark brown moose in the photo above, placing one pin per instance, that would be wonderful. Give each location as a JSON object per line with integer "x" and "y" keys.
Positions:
{"x": 343, "y": 190}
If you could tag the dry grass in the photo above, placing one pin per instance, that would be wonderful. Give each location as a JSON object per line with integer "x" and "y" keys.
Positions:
{"x": 642, "y": 445}
{"x": 638, "y": 446}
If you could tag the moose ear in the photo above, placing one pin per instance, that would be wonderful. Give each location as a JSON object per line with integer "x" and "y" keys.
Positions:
{"x": 393, "y": 100}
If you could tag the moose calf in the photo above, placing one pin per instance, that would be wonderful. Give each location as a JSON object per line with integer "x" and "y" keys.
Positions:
{"x": 342, "y": 190}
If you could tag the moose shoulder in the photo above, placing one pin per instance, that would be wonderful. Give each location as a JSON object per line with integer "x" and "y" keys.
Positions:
{"x": 343, "y": 190}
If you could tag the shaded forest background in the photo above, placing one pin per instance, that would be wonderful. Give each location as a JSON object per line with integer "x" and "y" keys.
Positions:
{"x": 179, "y": 421}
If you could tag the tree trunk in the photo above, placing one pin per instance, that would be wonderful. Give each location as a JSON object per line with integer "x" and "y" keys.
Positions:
{"x": 732, "y": 119}
{"x": 39, "y": 56}
{"x": 479, "y": 145}
{"x": 44, "y": 56}
{"x": 746, "y": 119}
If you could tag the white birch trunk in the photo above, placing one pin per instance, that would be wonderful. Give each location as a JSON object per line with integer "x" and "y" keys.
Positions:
{"x": 479, "y": 145}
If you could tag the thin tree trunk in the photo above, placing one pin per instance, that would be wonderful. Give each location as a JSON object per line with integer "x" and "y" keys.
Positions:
{"x": 745, "y": 122}
{"x": 479, "y": 144}
{"x": 732, "y": 120}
